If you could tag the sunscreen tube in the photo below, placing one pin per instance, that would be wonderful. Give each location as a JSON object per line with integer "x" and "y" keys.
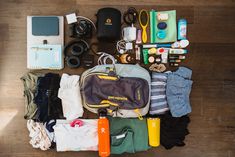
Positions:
{"x": 177, "y": 51}
{"x": 145, "y": 56}
{"x": 164, "y": 57}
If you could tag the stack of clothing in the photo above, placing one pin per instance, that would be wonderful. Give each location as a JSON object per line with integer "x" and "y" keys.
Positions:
{"x": 128, "y": 135}
{"x": 49, "y": 98}
{"x": 170, "y": 91}
{"x": 158, "y": 94}
{"x": 76, "y": 138}
{"x": 48, "y": 103}
{"x": 69, "y": 93}
{"x": 30, "y": 85}
{"x": 173, "y": 130}
{"x": 178, "y": 89}
{"x": 42, "y": 103}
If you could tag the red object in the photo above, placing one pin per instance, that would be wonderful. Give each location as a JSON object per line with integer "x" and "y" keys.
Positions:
{"x": 103, "y": 137}
{"x": 76, "y": 122}
{"x": 161, "y": 50}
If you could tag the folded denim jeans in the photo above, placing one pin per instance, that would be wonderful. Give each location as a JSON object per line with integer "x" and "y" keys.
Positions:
{"x": 178, "y": 90}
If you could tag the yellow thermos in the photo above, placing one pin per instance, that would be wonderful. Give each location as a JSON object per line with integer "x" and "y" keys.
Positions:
{"x": 154, "y": 131}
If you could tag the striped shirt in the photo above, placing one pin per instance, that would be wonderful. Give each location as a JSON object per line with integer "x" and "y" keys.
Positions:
{"x": 158, "y": 94}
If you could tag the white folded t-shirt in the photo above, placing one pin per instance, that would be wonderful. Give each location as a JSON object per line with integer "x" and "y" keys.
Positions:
{"x": 84, "y": 138}
{"x": 69, "y": 93}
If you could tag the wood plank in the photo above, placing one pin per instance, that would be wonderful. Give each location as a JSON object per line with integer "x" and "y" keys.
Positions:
{"x": 160, "y": 3}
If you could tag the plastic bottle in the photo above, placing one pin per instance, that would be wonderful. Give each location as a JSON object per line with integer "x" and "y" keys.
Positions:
{"x": 182, "y": 29}
{"x": 177, "y": 51}
{"x": 154, "y": 131}
{"x": 103, "y": 134}
{"x": 180, "y": 44}
{"x": 145, "y": 56}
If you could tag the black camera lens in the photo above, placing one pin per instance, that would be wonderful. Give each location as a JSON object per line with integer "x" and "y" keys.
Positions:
{"x": 81, "y": 28}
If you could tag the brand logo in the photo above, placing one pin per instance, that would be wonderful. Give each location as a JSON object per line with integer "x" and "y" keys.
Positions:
{"x": 138, "y": 95}
{"x": 108, "y": 21}
{"x": 117, "y": 98}
{"x": 102, "y": 130}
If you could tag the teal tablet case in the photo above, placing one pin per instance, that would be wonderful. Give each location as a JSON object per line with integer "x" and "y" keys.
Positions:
{"x": 171, "y": 32}
{"x": 45, "y": 26}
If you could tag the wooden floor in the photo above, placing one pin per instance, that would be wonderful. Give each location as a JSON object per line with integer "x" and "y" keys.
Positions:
{"x": 211, "y": 57}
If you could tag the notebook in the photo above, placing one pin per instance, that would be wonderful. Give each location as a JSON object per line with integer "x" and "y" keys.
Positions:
{"x": 40, "y": 29}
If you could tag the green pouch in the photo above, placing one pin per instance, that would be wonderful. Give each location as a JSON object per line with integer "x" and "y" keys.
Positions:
{"x": 171, "y": 31}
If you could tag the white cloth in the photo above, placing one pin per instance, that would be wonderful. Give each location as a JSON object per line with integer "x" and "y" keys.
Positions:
{"x": 39, "y": 138}
{"x": 69, "y": 93}
{"x": 76, "y": 138}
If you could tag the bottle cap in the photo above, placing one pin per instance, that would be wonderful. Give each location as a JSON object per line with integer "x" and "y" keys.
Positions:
{"x": 151, "y": 59}
{"x": 102, "y": 112}
{"x": 184, "y": 43}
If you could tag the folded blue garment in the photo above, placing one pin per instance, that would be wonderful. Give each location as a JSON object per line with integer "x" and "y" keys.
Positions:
{"x": 178, "y": 89}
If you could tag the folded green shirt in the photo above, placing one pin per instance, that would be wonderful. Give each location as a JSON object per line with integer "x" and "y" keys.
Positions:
{"x": 123, "y": 142}
{"x": 30, "y": 83}
{"x": 128, "y": 135}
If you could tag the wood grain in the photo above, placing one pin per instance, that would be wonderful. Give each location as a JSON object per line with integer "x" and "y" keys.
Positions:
{"x": 211, "y": 57}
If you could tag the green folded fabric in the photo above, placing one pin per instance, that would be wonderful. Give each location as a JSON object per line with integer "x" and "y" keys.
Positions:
{"x": 123, "y": 142}
{"x": 128, "y": 135}
{"x": 29, "y": 81}
{"x": 171, "y": 31}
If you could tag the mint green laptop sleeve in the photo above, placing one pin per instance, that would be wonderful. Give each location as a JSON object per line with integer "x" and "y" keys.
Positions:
{"x": 171, "y": 31}
{"x": 45, "y": 57}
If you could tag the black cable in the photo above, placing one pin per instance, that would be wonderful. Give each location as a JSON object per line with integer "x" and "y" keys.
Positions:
{"x": 91, "y": 48}
{"x": 130, "y": 16}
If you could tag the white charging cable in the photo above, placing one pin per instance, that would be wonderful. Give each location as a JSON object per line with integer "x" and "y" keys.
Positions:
{"x": 104, "y": 57}
{"x": 121, "y": 46}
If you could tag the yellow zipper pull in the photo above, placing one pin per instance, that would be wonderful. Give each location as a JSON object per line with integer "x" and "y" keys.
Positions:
{"x": 137, "y": 111}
